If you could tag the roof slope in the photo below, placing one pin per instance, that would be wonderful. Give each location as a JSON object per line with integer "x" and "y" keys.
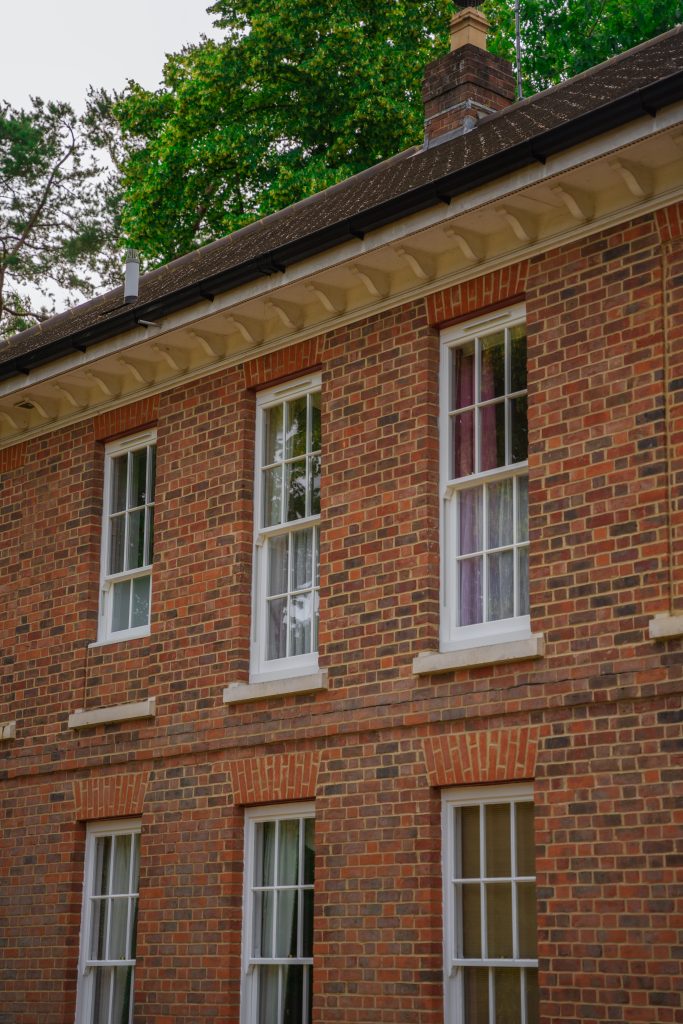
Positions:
{"x": 638, "y": 81}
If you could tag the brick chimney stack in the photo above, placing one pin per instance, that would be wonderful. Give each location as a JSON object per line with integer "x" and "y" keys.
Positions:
{"x": 469, "y": 82}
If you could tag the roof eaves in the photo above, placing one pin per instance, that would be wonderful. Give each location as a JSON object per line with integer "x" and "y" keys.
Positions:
{"x": 536, "y": 148}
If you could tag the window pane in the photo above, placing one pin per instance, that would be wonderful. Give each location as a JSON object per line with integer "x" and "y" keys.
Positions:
{"x": 267, "y": 994}
{"x": 133, "y": 930}
{"x": 138, "y": 493}
{"x": 462, "y": 427}
{"x": 518, "y": 427}
{"x": 526, "y": 919}
{"x": 287, "y": 918}
{"x": 314, "y": 483}
{"x": 102, "y": 863}
{"x": 300, "y": 624}
{"x": 140, "y": 609}
{"x": 101, "y": 995}
{"x": 525, "y": 839}
{"x": 122, "y": 854}
{"x": 508, "y": 998}
{"x": 493, "y": 366}
{"x": 522, "y": 508}
{"x": 471, "y": 921}
{"x": 98, "y": 929}
{"x": 152, "y": 472}
{"x": 470, "y": 597}
{"x": 272, "y": 496}
{"x": 118, "y": 928}
{"x": 523, "y": 581}
{"x": 119, "y": 483}
{"x": 497, "y": 825}
{"x": 302, "y": 560}
{"x": 117, "y": 536}
{"x": 492, "y": 436}
{"x": 470, "y": 513}
{"x": 273, "y": 435}
{"x": 295, "y": 489}
{"x": 309, "y": 851}
{"x": 501, "y": 588}
{"x": 277, "y": 628}
{"x": 307, "y": 949}
{"x": 476, "y": 986}
{"x": 531, "y": 978}
{"x": 288, "y": 853}
{"x": 149, "y": 551}
{"x": 315, "y": 632}
{"x": 265, "y": 853}
{"x": 121, "y": 611}
{"x": 278, "y": 561}
{"x": 316, "y": 442}
{"x": 500, "y": 520}
{"x": 264, "y": 908}
{"x": 518, "y": 358}
{"x": 499, "y": 919}
{"x": 295, "y": 443}
{"x": 135, "y": 545}
{"x": 469, "y": 841}
{"x": 462, "y": 376}
{"x": 293, "y": 994}
{"x": 120, "y": 1010}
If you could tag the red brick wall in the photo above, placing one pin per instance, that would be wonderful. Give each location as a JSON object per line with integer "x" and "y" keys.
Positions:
{"x": 596, "y": 721}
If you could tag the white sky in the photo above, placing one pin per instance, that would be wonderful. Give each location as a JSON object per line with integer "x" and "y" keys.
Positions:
{"x": 57, "y": 48}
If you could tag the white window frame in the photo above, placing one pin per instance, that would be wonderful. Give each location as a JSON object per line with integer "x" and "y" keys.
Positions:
{"x": 262, "y": 668}
{"x": 86, "y": 974}
{"x": 254, "y": 816}
{"x": 452, "y": 800}
{"x": 454, "y": 637}
{"x": 105, "y": 632}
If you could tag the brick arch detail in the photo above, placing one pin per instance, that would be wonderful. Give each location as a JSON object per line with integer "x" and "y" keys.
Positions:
{"x": 275, "y": 778}
{"x": 128, "y": 418}
{"x": 13, "y": 458}
{"x": 500, "y": 286}
{"x": 285, "y": 362}
{"x": 471, "y": 758}
{"x": 670, "y": 222}
{"x": 110, "y": 796}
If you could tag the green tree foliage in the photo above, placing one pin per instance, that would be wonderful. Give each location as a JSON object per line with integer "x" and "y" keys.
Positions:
{"x": 51, "y": 229}
{"x": 301, "y": 94}
{"x": 561, "y": 38}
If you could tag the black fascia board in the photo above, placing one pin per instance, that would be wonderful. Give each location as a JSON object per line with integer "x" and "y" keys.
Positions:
{"x": 536, "y": 149}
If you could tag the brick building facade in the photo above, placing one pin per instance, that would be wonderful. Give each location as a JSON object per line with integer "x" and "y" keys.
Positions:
{"x": 180, "y": 746}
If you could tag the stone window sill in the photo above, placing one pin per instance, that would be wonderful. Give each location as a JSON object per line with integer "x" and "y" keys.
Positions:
{"x": 240, "y": 693}
{"x": 666, "y": 627}
{"x": 521, "y": 649}
{"x": 115, "y": 713}
{"x": 8, "y": 731}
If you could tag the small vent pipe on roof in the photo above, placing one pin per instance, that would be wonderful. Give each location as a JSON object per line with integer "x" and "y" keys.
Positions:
{"x": 131, "y": 285}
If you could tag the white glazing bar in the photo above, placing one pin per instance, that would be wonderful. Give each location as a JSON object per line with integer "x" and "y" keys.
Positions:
{"x": 513, "y": 869}
{"x": 508, "y": 388}
{"x": 482, "y": 887}
{"x": 477, "y": 399}
{"x": 485, "y": 558}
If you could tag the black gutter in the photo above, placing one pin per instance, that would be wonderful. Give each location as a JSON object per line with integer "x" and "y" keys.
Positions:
{"x": 612, "y": 115}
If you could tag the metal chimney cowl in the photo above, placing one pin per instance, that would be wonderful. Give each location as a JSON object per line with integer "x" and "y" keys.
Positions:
{"x": 131, "y": 286}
